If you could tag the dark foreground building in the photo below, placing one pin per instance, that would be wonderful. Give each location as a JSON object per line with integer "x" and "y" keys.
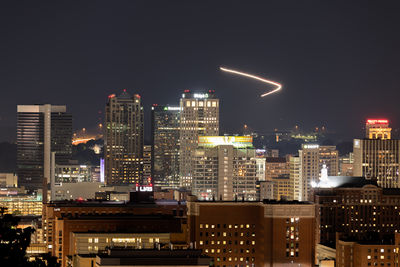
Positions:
{"x": 356, "y": 207}
{"x": 153, "y": 257}
{"x": 63, "y": 218}
{"x": 269, "y": 233}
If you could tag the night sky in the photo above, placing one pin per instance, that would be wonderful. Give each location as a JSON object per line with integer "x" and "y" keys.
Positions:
{"x": 338, "y": 61}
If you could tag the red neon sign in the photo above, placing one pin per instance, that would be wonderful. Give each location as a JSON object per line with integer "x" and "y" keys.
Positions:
{"x": 377, "y": 121}
{"x": 111, "y": 96}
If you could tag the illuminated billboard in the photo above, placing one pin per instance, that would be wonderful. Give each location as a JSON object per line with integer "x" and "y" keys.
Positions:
{"x": 377, "y": 121}
{"x": 235, "y": 141}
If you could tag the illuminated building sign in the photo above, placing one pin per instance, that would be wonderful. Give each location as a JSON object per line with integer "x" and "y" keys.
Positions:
{"x": 235, "y": 141}
{"x": 200, "y": 95}
{"x": 377, "y": 121}
{"x": 172, "y": 108}
{"x": 144, "y": 188}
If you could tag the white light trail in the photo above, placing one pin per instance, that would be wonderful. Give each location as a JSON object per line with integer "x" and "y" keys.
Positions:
{"x": 278, "y": 85}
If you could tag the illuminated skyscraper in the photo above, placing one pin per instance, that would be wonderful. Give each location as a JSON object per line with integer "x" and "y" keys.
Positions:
{"x": 199, "y": 117}
{"x": 225, "y": 168}
{"x": 295, "y": 176}
{"x": 378, "y": 129}
{"x": 147, "y": 162}
{"x": 41, "y": 129}
{"x": 377, "y": 157}
{"x": 123, "y": 139}
{"x": 312, "y": 158}
{"x": 165, "y": 134}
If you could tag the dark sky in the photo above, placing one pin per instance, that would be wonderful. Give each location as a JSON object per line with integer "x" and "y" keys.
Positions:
{"x": 337, "y": 60}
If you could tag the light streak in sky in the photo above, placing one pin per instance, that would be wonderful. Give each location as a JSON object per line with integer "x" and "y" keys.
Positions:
{"x": 278, "y": 85}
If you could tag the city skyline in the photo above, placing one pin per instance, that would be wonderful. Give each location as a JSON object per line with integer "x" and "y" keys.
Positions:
{"x": 77, "y": 56}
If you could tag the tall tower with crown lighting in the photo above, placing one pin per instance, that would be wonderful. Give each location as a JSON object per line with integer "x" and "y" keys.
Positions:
{"x": 124, "y": 131}
{"x": 199, "y": 117}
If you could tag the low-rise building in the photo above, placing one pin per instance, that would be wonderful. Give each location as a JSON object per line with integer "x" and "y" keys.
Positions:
{"x": 153, "y": 257}
{"x": 269, "y": 233}
{"x": 8, "y": 180}
{"x": 355, "y": 207}
{"x": 62, "y": 218}
{"x": 19, "y": 202}
{"x": 368, "y": 251}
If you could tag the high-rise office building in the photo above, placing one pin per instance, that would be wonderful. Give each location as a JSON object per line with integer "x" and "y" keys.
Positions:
{"x": 124, "y": 132}
{"x": 295, "y": 176}
{"x": 199, "y": 117}
{"x": 41, "y": 130}
{"x": 312, "y": 159}
{"x": 147, "y": 162}
{"x": 225, "y": 168}
{"x": 165, "y": 122}
{"x": 277, "y": 171}
{"x": 377, "y": 157}
{"x": 329, "y": 156}
{"x": 309, "y": 168}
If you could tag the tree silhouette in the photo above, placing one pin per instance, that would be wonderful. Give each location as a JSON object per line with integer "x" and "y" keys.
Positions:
{"x": 14, "y": 242}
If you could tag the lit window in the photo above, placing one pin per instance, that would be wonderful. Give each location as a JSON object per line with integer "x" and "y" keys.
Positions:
{"x": 201, "y": 225}
{"x": 201, "y": 242}
{"x": 90, "y": 240}
{"x": 96, "y": 240}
